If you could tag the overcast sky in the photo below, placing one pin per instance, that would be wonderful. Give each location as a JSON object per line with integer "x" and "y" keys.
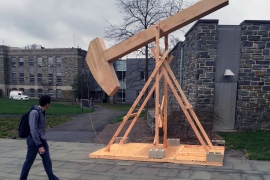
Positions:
{"x": 53, "y": 23}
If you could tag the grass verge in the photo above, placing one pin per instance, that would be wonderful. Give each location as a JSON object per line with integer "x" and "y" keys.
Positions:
{"x": 255, "y": 143}
{"x": 117, "y": 107}
{"x": 9, "y": 125}
{"x": 20, "y": 107}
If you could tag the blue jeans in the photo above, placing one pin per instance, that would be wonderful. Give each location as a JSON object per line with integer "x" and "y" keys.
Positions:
{"x": 32, "y": 151}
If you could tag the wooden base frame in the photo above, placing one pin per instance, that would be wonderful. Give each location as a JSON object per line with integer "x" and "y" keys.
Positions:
{"x": 187, "y": 154}
{"x": 182, "y": 154}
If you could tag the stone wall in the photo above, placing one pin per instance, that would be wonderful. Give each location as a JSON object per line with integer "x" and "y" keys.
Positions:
{"x": 253, "y": 91}
{"x": 254, "y": 76}
{"x": 176, "y": 68}
{"x": 199, "y": 63}
{"x": 3, "y": 64}
{"x": 4, "y": 71}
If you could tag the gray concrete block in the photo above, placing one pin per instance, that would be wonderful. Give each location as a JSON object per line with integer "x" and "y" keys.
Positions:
{"x": 170, "y": 142}
{"x": 173, "y": 142}
{"x": 118, "y": 139}
{"x": 156, "y": 153}
{"x": 214, "y": 157}
{"x": 160, "y": 153}
{"x": 177, "y": 142}
{"x": 152, "y": 153}
{"x": 216, "y": 142}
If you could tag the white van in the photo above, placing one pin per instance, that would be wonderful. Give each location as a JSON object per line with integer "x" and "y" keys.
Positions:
{"x": 18, "y": 95}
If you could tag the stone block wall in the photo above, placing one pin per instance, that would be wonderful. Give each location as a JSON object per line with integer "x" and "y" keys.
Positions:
{"x": 253, "y": 110}
{"x": 199, "y": 63}
{"x": 253, "y": 90}
{"x": 4, "y": 71}
{"x": 175, "y": 66}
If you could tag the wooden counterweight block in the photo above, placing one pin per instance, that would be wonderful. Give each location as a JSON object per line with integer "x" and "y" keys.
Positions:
{"x": 101, "y": 69}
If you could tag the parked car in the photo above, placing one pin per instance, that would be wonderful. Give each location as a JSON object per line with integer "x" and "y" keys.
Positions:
{"x": 18, "y": 95}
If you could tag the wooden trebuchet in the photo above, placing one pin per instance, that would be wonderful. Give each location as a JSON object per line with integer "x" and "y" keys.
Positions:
{"x": 100, "y": 59}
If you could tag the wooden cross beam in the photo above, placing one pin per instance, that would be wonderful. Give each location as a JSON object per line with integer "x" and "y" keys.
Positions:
{"x": 100, "y": 59}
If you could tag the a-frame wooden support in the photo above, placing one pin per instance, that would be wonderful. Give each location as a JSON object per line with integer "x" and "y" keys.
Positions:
{"x": 162, "y": 69}
{"x": 100, "y": 60}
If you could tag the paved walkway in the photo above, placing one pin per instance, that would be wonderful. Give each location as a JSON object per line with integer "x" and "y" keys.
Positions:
{"x": 83, "y": 127}
{"x": 71, "y": 161}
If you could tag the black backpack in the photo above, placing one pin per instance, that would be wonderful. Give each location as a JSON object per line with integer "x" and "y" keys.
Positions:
{"x": 24, "y": 128}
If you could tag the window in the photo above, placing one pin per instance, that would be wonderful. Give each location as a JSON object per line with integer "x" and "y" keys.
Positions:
{"x": 142, "y": 75}
{"x": 120, "y": 96}
{"x": 58, "y": 93}
{"x": 21, "y": 65}
{"x": 58, "y": 65}
{"x": 40, "y": 92}
{"x": 13, "y": 62}
{"x": 13, "y": 68}
{"x": 58, "y": 61}
{"x": 50, "y": 65}
{"x": 31, "y": 64}
{"x": 58, "y": 69}
{"x": 50, "y": 61}
{"x": 31, "y": 69}
{"x": 31, "y": 61}
{"x": 50, "y": 92}
{"x": 39, "y": 60}
{"x": 32, "y": 92}
{"x": 21, "y": 62}
{"x": 50, "y": 79}
{"x": 21, "y": 77}
{"x": 120, "y": 65}
{"x": 121, "y": 75}
{"x": 58, "y": 79}
{"x": 32, "y": 78}
{"x": 39, "y": 79}
{"x": 14, "y": 78}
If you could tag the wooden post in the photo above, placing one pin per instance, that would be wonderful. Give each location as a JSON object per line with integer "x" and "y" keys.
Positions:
{"x": 156, "y": 141}
{"x": 165, "y": 143}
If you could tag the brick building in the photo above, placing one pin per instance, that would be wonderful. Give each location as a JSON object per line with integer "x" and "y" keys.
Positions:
{"x": 37, "y": 70}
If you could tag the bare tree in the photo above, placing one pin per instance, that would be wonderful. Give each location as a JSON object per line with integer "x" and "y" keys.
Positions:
{"x": 138, "y": 15}
{"x": 45, "y": 86}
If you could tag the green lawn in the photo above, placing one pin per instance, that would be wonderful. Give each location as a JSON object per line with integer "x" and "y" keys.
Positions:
{"x": 21, "y": 107}
{"x": 117, "y": 107}
{"x": 256, "y": 144}
{"x": 9, "y": 125}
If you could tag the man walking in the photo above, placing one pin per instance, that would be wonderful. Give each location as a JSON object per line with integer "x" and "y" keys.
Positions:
{"x": 36, "y": 141}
